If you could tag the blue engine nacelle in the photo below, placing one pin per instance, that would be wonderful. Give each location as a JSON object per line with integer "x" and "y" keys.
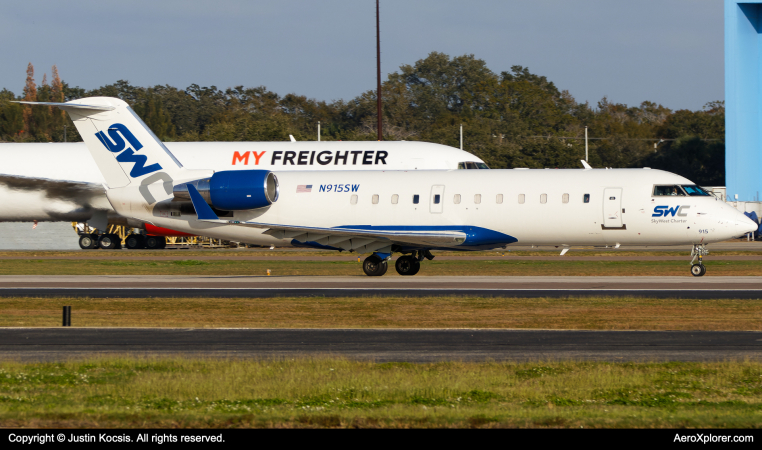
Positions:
{"x": 234, "y": 190}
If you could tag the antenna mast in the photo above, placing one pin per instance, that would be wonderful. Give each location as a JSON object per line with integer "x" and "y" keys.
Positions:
{"x": 378, "y": 75}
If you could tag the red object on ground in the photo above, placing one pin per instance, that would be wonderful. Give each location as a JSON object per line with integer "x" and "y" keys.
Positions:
{"x": 153, "y": 230}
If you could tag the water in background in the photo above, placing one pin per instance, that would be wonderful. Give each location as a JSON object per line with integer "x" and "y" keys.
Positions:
{"x": 47, "y": 236}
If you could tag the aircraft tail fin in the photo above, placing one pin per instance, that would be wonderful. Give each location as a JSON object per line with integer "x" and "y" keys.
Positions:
{"x": 124, "y": 148}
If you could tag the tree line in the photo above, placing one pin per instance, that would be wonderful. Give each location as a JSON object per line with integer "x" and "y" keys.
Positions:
{"x": 510, "y": 119}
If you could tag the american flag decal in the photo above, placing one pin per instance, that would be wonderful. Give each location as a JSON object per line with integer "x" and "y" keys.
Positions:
{"x": 304, "y": 188}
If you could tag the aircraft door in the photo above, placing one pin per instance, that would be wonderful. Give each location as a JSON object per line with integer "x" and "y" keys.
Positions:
{"x": 436, "y": 202}
{"x": 612, "y": 208}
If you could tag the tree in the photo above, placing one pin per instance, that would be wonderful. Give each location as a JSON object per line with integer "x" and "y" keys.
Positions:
{"x": 30, "y": 95}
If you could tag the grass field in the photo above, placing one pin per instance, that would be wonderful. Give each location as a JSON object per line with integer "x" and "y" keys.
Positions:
{"x": 122, "y": 392}
{"x": 495, "y": 267}
{"x": 590, "y": 313}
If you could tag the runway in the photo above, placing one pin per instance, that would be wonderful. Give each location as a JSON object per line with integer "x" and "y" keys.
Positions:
{"x": 126, "y": 286}
{"x": 412, "y": 345}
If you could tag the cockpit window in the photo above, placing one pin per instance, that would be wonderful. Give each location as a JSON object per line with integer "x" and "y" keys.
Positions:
{"x": 671, "y": 190}
{"x": 471, "y": 165}
{"x": 695, "y": 191}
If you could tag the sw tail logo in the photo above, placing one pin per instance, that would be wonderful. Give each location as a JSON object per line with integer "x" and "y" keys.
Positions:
{"x": 116, "y": 144}
{"x": 665, "y": 211}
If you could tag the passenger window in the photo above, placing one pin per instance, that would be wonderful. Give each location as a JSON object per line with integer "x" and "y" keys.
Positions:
{"x": 543, "y": 198}
{"x": 375, "y": 199}
{"x": 586, "y": 198}
{"x": 436, "y": 199}
{"x": 499, "y": 199}
{"x": 565, "y": 198}
{"x": 521, "y": 199}
{"x": 415, "y": 199}
{"x": 456, "y": 199}
{"x": 395, "y": 199}
{"x": 353, "y": 199}
{"x": 478, "y": 198}
{"x": 670, "y": 190}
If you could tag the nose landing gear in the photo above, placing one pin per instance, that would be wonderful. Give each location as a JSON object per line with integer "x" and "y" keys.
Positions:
{"x": 697, "y": 268}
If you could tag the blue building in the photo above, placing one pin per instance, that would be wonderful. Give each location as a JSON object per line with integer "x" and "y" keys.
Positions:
{"x": 743, "y": 99}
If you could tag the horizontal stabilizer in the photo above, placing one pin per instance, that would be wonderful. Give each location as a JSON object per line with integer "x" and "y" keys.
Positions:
{"x": 71, "y": 106}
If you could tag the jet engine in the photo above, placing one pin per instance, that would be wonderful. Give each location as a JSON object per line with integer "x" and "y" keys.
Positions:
{"x": 234, "y": 190}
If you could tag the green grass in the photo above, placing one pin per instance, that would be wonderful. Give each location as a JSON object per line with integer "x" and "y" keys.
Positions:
{"x": 329, "y": 392}
{"x": 495, "y": 267}
{"x": 587, "y": 313}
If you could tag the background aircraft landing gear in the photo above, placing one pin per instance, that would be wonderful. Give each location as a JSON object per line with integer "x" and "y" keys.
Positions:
{"x": 88, "y": 241}
{"x": 697, "y": 268}
{"x": 109, "y": 242}
{"x": 373, "y": 266}
{"x": 407, "y": 265}
{"x": 134, "y": 241}
{"x": 155, "y": 242}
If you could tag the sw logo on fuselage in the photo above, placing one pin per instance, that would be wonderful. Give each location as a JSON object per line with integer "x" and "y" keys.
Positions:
{"x": 116, "y": 144}
{"x": 665, "y": 211}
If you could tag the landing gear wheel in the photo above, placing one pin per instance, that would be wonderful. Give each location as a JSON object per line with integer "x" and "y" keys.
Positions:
{"x": 407, "y": 265}
{"x": 134, "y": 241}
{"x": 109, "y": 242}
{"x": 155, "y": 242}
{"x": 374, "y": 267}
{"x": 88, "y": 241}
{"x": 698, "y": 270}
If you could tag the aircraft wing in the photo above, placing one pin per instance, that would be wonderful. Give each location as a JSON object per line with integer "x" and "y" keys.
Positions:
{"x": 357, "y": 238}
{"x": 362, "y": 238}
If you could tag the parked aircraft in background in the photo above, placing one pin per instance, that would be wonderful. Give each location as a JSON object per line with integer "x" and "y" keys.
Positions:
{"x": 383, "y": 212}
{"x": 60, "y": 182}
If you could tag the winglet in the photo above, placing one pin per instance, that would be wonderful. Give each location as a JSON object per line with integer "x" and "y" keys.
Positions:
{"x": 203, "y": 210}
{"x": 293, "y": 139}
{"x": 586, "y": 165}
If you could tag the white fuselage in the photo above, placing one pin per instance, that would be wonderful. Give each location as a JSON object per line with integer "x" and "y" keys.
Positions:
{"x": 537, "y": 207}
{"x": 62, "y": 182}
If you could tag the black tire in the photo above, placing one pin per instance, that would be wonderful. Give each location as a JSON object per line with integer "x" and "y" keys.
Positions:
{"x": 373, "y": 266}
{"x": 162, "y": 243}
{"x": 88, "y": 242}
{"x": 155, "y": 242}
{"x": 407, "y": 265}
{"x": 698, "y": 270}
{"x": 134, "y": 242}
{"x": 108, "y": 242}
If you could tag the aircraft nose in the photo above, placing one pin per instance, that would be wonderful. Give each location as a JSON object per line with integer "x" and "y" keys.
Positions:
{"x": 749, "y": 225}
{"x": 743, "y": 224}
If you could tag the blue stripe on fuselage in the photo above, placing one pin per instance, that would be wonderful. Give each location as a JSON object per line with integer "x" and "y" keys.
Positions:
{"x": 476, "y": 237}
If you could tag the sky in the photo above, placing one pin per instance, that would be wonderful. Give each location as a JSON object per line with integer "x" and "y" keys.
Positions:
{"x": 665, "y": 51}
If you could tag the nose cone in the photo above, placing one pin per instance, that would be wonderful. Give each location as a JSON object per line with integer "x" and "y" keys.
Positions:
{"x": 742, "y": 224}
{"x": 748, "y": 225}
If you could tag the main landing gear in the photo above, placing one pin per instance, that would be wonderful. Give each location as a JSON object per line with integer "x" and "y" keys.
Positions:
{"x": 376, "y": 265}
{"x": 137, "y": 241}
{"x": 697, "y": 268}
{"x": 407, "y": 265}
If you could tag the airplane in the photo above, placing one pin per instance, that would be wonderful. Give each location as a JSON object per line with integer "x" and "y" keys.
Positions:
{"x": 35, "y": 188}
{"x": 382, "y": 212}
